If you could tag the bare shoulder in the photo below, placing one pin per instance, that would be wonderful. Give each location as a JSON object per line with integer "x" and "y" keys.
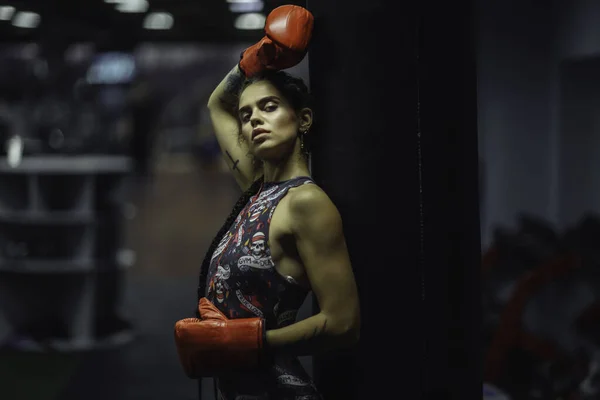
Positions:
{"x": 310, "y": 203}
{"x": 308, "y": 198}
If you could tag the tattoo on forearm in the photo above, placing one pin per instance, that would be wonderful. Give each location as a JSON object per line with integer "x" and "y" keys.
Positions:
{"x": 234, "y": 81}
{"x": 316, "y": 333}
{"x": 235, "y": 162}
{"x": 309, "y": 342}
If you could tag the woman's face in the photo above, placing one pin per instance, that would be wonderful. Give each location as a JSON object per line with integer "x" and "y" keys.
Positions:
{"x": 268, "y": 123}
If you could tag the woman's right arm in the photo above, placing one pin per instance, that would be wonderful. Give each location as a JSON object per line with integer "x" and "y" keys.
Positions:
{"x": 223, "y": 114}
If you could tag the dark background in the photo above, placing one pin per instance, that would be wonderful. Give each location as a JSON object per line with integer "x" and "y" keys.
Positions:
{"x": 538, "y": 138}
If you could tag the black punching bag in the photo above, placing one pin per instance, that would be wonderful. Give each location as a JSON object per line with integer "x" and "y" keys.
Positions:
{"x": 395, "y": 146}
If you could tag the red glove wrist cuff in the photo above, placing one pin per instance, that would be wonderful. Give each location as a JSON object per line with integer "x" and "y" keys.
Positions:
{"x": 250, "y": 63}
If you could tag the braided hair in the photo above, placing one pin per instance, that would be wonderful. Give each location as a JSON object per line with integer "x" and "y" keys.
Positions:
{"x": 296, "y": 93}
{"x": 237, "y": 208}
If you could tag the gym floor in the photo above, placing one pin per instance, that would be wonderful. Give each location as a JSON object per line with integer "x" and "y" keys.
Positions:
{"x": 175, "y": 221}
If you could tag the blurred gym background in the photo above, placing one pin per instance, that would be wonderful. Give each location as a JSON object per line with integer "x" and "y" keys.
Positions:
{"x": 112, "y": 187}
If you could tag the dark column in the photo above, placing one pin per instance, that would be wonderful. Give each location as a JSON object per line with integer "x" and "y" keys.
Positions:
{"x": 395, "y": 147}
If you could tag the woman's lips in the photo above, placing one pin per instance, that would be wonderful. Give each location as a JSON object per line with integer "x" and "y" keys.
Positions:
{"x": 257, "y": 132}
{"x": 260, "y": 135}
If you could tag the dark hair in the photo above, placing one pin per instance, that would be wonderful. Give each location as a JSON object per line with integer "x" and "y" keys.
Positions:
{"x": 292, "y": 88}
{"x": 296, "y": 93}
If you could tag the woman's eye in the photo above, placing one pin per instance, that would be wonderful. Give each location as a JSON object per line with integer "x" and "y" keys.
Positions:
{"x": 271, "y": 107}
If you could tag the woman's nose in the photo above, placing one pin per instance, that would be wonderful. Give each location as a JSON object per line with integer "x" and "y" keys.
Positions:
{"x": 255, "y": 120}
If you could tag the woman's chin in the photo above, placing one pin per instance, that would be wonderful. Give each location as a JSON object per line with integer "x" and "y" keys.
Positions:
{"x": 273, "y": 151}
{"x": 267, "y": 151}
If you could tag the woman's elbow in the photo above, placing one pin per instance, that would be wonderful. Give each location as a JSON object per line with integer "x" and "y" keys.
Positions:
{"x": 343, "y": 328}
{"x": 213, "y": 102}
{"x": 354, "y": 333}
{"x": 349, "y": 335}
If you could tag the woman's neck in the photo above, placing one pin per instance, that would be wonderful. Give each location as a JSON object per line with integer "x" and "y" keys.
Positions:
{"x": 291, "y": 168}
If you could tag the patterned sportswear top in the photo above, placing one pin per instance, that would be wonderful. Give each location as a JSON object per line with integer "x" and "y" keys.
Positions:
{"x": 243, "y": 283}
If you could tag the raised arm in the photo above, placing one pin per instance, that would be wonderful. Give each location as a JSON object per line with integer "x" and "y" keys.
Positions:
{"x": 223, "y": 114}
{"x": 288, "y": 30}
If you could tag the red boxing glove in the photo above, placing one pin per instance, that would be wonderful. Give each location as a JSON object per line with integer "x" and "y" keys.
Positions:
{"x": 288, "y": 32}
{"x": 214, "y": 345}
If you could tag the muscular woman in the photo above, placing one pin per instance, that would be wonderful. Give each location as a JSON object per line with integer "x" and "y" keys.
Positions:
{"x": 283, "y": 239}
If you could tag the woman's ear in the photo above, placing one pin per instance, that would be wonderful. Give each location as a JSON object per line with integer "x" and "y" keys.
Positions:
{"x": 306, "y": 119}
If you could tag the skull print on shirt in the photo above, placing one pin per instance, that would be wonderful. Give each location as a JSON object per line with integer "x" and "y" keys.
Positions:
{"x": 243, "y": 283}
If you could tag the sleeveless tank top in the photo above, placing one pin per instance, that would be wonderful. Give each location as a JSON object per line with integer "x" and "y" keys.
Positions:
{"x": 243, "y": 283}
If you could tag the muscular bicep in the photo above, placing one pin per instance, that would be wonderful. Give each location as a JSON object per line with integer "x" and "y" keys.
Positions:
{"x": 234, "y": 151}
{"x": 322, "y": 247}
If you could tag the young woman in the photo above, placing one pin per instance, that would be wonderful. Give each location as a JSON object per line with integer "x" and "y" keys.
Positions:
{"x": 283, "y": 239}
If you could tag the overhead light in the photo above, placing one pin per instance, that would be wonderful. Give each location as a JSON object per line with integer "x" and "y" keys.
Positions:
{"x": 158, "y": 21}
{"x": 250, "y": 21}
{"x": 246, "y": 7}
{"x": 14, "y": 150}
{"x": 132, "y": 6}
{"x": 26, "y": 19}
{"x": 241, "y": 1}
{"x": 6, "y": 13}
{"x": 113, "y": 1}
